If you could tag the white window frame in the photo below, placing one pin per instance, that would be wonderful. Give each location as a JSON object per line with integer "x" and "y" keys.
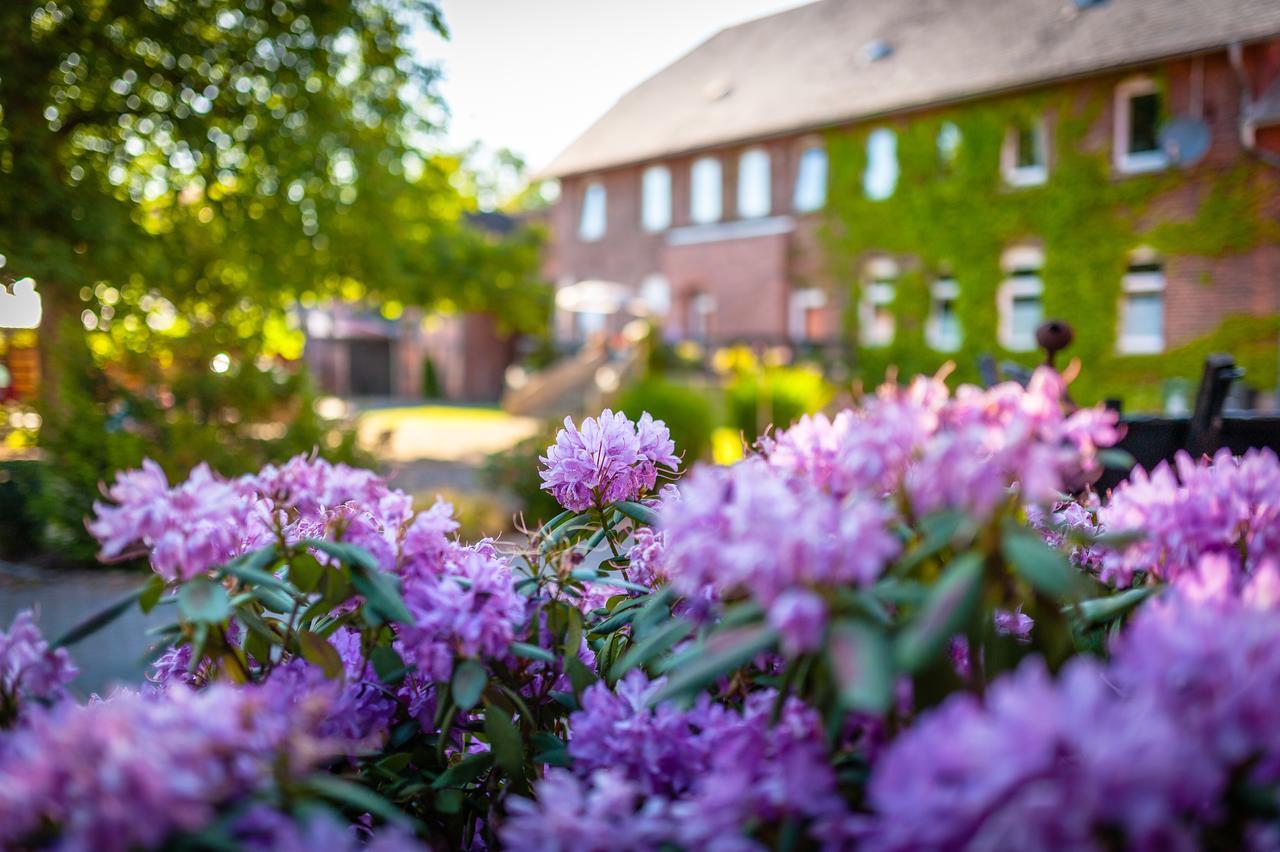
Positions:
{"x": 655, "y": 293}
{"x": 706, "y": 191}
{"x": 879, "y": 291}
{"x": 1126, "y": 161}
{"x": 799, "y": 304}
{"x": 655, "y": 199}
{"x": 890, "y": 165}
{"x": 1139, "y": 283}
{"x": 702, "y": 310}
{"x": 593, "y": 216}
{"x": 1033, "y": 175}
{"x": 941, "y": 290}
{"x": 755, "y": 184}
{"x": 1022, "y": 266}
{"x": 811, "y": 179}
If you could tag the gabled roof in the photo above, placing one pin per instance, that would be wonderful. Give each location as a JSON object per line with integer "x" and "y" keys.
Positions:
{"x": 811, "y": 67}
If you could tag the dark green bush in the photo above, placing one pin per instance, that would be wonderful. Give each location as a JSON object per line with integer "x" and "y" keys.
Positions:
{"x": 686, "y": 411}
{"x": 774, "y": 396}
{"x": 21, "y": 523}
{"x": 236, "y": 422}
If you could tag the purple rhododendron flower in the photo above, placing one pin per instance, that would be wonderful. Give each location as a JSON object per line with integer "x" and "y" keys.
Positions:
{"x": 188, "y": 529}
{"x": 1227, "y": 505}
{"x": 29, "y": 669}
{"x": 127, "y": 772}
{"x": 750, "y": 530}
{"x": 609, "y": 458}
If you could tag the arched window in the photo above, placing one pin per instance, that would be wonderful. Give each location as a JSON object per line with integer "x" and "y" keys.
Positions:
{"x": 591, "y": 224}
{"x": 881, "y": 176}
{"x": 754, "y": 181}
{"x": 655, "y": 202}
{"x": 706, "y": 196}
{"x": 811, "y": 179}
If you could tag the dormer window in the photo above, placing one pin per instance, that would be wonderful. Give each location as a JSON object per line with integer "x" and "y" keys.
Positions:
{"x": 754, "y": 182}
{"x": 1137, "y": 130}
{"x": 1024, "y": 159}
{"x": 591, "y": 223}
{"x": 706, "y": 196}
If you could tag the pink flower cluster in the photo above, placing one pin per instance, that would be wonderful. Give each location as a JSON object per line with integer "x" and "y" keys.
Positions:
{"x": 609, "y": 458}
{"x": 1181, "y": 512}
{"x": 750, "y": 530}
{"x": 1141, "y": 749}
{"x": 644, "y": 776}
{"x": 963, "y": 452}
{"x": 126, "y": 772}
{"x": 30, "y": 671}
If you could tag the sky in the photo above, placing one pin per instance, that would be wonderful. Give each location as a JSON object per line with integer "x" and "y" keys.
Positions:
{"x": 531, "y": 75}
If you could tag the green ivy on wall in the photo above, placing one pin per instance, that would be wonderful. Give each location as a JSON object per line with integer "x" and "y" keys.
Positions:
{"x": 955, "y": 216}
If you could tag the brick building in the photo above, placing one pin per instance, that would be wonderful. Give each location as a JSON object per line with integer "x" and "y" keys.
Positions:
{"x": 704, "y": 196}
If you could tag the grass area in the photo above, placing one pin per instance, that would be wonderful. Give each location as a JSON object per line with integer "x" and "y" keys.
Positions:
{"x": 395, "y": 416}
{"x": 448, "y": 432}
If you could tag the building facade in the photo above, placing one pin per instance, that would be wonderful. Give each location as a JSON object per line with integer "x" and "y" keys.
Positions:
{"x": 959, "y": 172}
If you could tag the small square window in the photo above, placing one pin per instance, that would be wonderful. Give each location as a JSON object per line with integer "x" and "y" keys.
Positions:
{"x": 591, "y": 225}
{"x": 1142, "y": 310}
{"x": 1025, "y": 157}
{"x": 942, "y": 328}
{"x": 1020, "y": 299}
{"x": 1138, "y": 110}
{"x": 875, "y": 312}
{"x": 811, "y": 180}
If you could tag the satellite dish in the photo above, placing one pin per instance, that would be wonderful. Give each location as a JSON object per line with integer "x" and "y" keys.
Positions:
{"x": 1185, "y": 140}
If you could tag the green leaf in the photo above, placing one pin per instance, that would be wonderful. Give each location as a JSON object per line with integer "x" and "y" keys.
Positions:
{"x": 464, "y": 771}
{"x": 579, "y": 675}
{"x": 151, "y": 592}
{"x": 272, "y": 599}
{"x": 1116, "y": 459}
{"x": 946, "y": 611}
{"x": 615, "y": 622}
{"x": 555, "y": 522}
{"x": 262, "y": 579}
{"x": 504, "y": 741}
{"x": 358, "y": 798}
{"x": 1045, "y": 568}
{"x": 353, "y": 555}
{"x": 305, "y": 572}
{"x": 388, "y": 665}
{"x": 532, "y": 652}
{"x": 722, "y": 653}
{"x": 1099, "y": 610}
{"x": 549, "y": 750}
{"x": 862, "y": 662}
{"x": 100, "y": 619}
{"x": 656, "y": 643}
{"x": 589, "y": 575}
{"x": 202, "y": 600}
{"x": 937, "y": 531}
{"x": 382, "y": 592}
{"x": 637, "y": 512}
{"x": 317, "y": 650}
{"x": 469, "y": 681}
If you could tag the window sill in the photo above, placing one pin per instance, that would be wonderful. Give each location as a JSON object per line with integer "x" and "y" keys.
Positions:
{"x": 1142, "y": 163}
{"x": 1140, "y": 346}
{"x": 1026, "y": 176}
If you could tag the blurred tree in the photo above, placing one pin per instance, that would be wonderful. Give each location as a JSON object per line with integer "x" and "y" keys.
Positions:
{"x": 178, "y": 173}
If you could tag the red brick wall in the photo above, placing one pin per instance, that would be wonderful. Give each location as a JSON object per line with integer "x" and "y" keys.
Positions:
{"x": 750, "y": 277}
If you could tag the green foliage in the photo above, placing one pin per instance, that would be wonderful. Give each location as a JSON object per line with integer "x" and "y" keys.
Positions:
{"x": 21, "y": 525}
{"x": 955, "y": 218}
{"x": 774, "y": 396}
{"x": 685, "y": 410}
{"x": 236, "y": 421}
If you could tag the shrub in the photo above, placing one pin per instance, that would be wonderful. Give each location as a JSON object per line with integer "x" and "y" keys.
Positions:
{"x": 21, "y": 523}
{"x": 686, "y": 411}
{"x": 774, "y": 396}
{"x": 909, "y": 626}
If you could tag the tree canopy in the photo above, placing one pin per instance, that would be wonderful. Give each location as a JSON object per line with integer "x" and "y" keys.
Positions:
{"x": 220, "y": 159}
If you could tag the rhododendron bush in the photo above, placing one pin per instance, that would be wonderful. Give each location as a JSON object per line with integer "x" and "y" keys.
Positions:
{"x": 911, "y": 625}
